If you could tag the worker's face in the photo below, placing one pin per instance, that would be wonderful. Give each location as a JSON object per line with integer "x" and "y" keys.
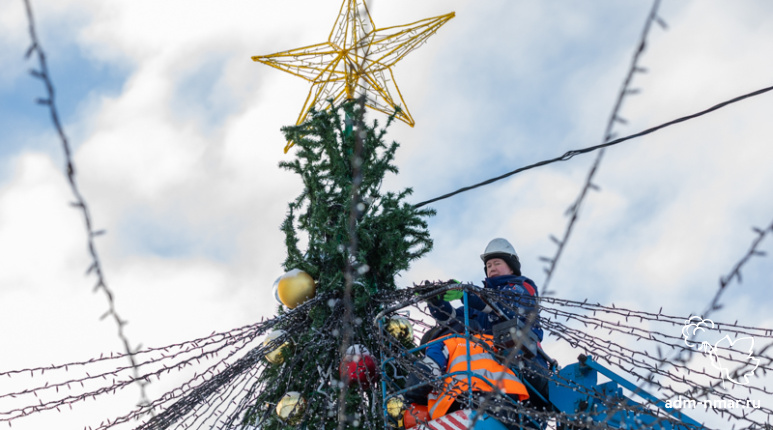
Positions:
{"x": 497, "y": 267}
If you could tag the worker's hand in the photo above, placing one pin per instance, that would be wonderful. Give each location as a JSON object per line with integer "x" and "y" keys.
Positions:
{"x": 452, "y": 295}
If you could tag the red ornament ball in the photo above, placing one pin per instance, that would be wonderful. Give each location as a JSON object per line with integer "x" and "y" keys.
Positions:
{"x": 358, "y": 367}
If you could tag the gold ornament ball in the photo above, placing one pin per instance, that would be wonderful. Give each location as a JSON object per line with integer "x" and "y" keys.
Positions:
{"x": 275, "y": 356}
{"x": 395, "y": 407}
{"x": 400, "y": 328}
{"x": 291, "y": 407}
{"x": 295, "y": 287}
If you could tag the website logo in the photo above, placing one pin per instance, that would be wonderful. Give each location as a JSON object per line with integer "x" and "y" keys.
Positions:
{"x": 722, "y": 351}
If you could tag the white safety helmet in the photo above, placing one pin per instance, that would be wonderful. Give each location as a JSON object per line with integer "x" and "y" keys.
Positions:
{"x": 501, "y": 248}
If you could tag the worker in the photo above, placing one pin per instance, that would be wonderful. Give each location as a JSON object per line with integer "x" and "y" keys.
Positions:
{"x": 449, "y": 355}
{"x": 503, "y": 273}
{"x": 445, "y": 357}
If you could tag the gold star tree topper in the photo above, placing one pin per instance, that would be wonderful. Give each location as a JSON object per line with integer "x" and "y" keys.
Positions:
{"x": 357, "y": 58}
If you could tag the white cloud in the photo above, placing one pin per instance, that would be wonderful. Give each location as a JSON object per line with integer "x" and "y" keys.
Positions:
{"x": 38, "y": 227}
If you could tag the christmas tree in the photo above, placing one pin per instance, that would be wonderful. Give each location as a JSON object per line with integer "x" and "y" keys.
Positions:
{"x": 355, "y": 239}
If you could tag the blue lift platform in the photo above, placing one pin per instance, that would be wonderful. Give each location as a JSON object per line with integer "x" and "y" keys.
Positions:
{"x": 572, "y": 392}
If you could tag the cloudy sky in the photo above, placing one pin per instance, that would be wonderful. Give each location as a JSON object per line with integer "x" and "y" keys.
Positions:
{"x": 176, "y": 142}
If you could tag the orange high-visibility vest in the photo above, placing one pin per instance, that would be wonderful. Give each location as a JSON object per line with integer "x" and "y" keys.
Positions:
{"x": 484, "y": 367}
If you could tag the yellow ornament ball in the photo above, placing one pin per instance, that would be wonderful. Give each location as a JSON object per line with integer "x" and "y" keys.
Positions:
{"x": 395, "y": 408}
{"x": 275, "y": 356}
{"x": 295, "y": 287}
{"x": 400, "y": 328}
{"x": 291, "y": 407}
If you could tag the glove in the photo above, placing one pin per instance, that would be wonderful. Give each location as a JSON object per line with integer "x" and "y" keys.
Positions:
{"x": 442, "y": 297}
{"x": 452, "y": 295}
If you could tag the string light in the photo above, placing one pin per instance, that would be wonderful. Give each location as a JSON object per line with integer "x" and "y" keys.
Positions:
{"x": 80, "y": 202}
